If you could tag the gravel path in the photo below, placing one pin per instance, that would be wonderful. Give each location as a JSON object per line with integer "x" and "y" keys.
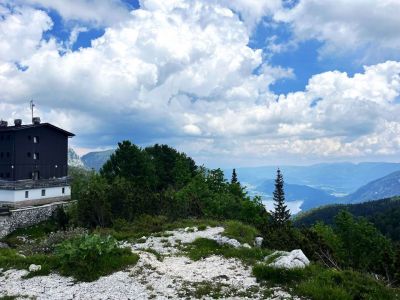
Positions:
{"x": 175, "y": 277}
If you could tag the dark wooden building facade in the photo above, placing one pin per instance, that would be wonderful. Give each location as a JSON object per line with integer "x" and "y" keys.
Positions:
{"x": 36, "y": 151}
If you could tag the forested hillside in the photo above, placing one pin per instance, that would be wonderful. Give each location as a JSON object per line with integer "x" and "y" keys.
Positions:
{"x": 384, "y": 214}
{"x": 385, "y": 187}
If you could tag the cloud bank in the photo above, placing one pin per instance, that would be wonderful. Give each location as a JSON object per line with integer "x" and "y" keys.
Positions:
{"x": 182, "y": 72}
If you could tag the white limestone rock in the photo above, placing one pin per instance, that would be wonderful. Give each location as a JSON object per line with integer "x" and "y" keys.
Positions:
{"x": 34, "y": 268}
{"x": 245, "y": 245}
{"x": 223, "y": 240}
{"x": 258, "y": 241}
{"x": 288, "y": 260}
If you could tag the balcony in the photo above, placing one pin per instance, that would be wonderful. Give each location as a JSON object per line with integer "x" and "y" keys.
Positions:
{"x": 34, "y": 184}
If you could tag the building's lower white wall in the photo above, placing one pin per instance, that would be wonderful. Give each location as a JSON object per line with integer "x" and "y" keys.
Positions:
{"x": 34, "y": 194}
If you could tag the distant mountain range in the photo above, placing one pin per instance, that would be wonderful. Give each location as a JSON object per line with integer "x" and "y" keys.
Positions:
{"x": 91, "y": 160}
{"x": 335, "y": 178}
{"x": 95, "y": 160}
{"x": 311, "y": 197}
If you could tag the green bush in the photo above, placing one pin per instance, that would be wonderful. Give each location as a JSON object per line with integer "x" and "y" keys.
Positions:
{"x": 91, "y": 256}
{"x": 321, "y": 283}
{"x": 241, "y": 232}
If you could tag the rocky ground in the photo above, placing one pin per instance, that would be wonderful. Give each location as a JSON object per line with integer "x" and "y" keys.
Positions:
{"x": 169, "y": 275}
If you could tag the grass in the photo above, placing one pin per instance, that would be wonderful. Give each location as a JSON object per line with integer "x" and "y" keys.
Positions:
{"x": 199, "y": 290}
{"x": 10, "y": 259}
{"x": 152, "y": 225}
{"x": 241, "y": 232}
{"x": 320, "y": 283}
{"x": 83, "y": 267}
{"x": 158, "y": 255}
{"x": 105, "y": 265}
{"x": 202, "y": 248}
{"x": 38, "y": 231}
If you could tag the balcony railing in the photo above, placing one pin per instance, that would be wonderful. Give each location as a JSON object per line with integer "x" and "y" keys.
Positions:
{"x": 34, "y": 184}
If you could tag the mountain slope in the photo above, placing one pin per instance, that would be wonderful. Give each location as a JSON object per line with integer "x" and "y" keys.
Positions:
{"x": 95, "y": 160}
{"x": 311, "y": 197}
{"x": 384, "y": 187}
{"x": 74, "y": 160}
{"x": 385, "y": 214}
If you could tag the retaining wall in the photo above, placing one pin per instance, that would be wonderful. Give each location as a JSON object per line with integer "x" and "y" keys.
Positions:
{"x": 28, "y": 216}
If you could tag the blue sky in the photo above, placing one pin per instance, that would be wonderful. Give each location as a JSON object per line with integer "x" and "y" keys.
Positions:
{"x": 232, "y": 83}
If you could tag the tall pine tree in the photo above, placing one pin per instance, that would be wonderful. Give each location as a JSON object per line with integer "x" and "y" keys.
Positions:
{"x": 234, "y": 177}
{"x": 281, "y": 215}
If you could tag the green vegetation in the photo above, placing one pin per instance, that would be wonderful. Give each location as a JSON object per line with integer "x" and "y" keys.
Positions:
{"x": 320, "y": 283}
{"x": 281, "y": 214}
{"x": 159, "y": 180}
{"x": 91, "y": 256}
{"x": 384, "y": 214}
{"x": 142, "y": 192}
{"x": 85, "y": 258}
{"x": 241, "y": 232}
{"x": 202, "y": 248}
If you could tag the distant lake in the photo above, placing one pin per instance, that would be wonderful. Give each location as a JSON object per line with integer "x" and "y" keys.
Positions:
{"x": 294, "y": 206}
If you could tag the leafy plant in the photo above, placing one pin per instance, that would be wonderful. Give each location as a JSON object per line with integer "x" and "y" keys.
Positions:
{"x": 91, "y": 256}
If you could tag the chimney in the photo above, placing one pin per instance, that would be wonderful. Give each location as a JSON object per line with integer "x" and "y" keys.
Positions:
{"x": 3, "y": 123}
{"x": 17, "y": 122}
{"x": 36, "y": 120}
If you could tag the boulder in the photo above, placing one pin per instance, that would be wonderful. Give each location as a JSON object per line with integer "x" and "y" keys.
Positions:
{"x": 245, "y": 245}
{"x": 288, "y": 260}
{"x": 258, "y": 241}
{"x": 223, "y": 240}
{"x": 34, "y": 268}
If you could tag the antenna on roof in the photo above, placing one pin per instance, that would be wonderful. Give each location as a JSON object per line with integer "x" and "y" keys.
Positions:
{"x": 32, "y": 105}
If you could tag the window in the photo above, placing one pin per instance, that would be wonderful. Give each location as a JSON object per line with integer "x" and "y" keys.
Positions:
{"x": 36, "y": 140}
{"x": 63, "y": 191}
{"x": 43, "y": 193}
{"x": 26, "y": 194}
{"x": 36, "y": 155}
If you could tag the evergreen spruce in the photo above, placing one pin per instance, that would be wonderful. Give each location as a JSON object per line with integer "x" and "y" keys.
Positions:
{"x": 281, "y": 215}
{"x": 234, "y": 177}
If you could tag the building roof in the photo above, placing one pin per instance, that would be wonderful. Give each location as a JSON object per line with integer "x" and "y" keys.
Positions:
{"x": 22, "y": 127}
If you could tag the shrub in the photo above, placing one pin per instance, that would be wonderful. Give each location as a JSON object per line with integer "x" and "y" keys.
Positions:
{"x": 241, "y": 232}
{"x": 321, "y": 283}
{"x": 91, "y": 256}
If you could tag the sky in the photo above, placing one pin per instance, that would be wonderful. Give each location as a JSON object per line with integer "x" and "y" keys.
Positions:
{"x": 230, "y": 82}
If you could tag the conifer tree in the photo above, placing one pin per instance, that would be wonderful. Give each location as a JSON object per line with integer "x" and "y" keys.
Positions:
{"x": 281, "y": 215}
{"x": 234, "y": 177}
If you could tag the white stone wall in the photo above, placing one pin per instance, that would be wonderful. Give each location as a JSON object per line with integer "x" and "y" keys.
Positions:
{"x": 34, "y": 194}
{"x": 25, "y": 217}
